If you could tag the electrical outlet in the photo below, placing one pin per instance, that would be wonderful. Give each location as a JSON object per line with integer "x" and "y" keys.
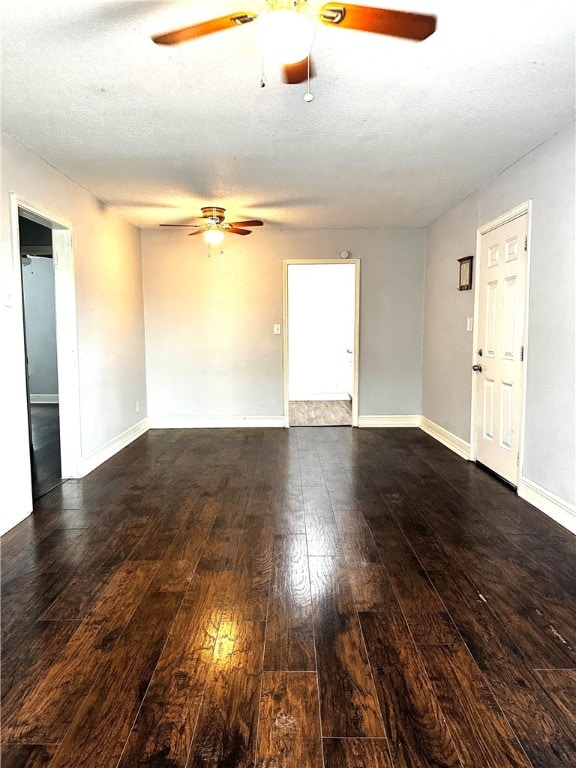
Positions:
{"x": 137, "y": 406}
{"x": 469, "y": 323}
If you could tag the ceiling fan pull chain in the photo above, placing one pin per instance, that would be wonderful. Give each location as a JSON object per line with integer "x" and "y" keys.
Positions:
{"x": 308, "y": 96}
{"x": 262, "y": 73}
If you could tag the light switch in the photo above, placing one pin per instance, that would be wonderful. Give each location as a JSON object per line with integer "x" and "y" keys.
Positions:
{"x": 277, "y": 329}
{"x": 469, "y": 323}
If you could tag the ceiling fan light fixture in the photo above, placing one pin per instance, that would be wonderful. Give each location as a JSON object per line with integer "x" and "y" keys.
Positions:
{"x": 214, "y": 235}
{"x": 286, "y": 36}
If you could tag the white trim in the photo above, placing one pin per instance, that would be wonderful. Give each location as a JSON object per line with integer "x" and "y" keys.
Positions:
{"x": 213, "y": 422}
{"x": 559, "y": 510}
{"x": 100, "y": 455}
{"x": 456, "y": 444}
{"x": 410, "y": 420}
{"x": 355, "y": 361}
{"x": 356, "y": 352}
{"x": 320, "y": 396}
{"x": 44, "y": 399}
{"x": 286, "y": 396}
{"x": 67, "y": 334}
{"x": 504, "y": 218}
{"x": 514, "y": 213}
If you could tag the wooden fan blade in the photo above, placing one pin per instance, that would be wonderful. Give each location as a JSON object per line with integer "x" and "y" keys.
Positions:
{"x": 204, "y": 28}
{"x": 251, "y": 223}
{"x": 198, "y": 232}
{"x": 298, "y": 72}
{"x": 413, "y": 26}
{"x": 188, "y": 226}
{"x": 236, "y": 231}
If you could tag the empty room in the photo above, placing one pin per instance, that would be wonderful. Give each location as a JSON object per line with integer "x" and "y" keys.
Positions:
{"x": 288, "y": 438}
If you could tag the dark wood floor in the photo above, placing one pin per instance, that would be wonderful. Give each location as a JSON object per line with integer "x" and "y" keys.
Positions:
{"x": 307, "y": 598}
{"x": 45, "y": 449}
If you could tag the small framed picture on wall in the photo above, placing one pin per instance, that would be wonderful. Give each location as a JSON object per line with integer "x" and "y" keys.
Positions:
{"x": 465, "y": 273}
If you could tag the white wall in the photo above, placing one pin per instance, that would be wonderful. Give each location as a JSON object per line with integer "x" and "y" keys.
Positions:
{"x": 211, "y": 354}
{"x": 40, "y": 323}
{"x": 321, "y": 299}
{"x": 110, "y": 322}
{"x": 546, "y": 176}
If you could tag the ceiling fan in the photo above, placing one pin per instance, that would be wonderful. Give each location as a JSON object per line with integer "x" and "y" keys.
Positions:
{"x": 287, "y": 29}
{"x": 211, "y": 223}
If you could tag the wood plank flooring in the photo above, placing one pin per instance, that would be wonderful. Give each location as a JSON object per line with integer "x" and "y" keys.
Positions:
{"x": 307, "y": 598}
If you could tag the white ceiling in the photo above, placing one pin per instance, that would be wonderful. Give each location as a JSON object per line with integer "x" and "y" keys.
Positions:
{"x": 398, "y": 132}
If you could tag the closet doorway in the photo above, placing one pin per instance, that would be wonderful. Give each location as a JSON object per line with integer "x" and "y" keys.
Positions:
{"x": 321, "y": 302}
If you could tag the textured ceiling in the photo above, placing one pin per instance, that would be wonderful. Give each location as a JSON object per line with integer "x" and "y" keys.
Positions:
{"x": 397, "y": 133}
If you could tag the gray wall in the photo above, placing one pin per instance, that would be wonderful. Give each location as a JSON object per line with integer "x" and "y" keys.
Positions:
{"x": 40, "y": 324}
{"x": 546, "y": 176}
{"x": 108, "y": 287}
{"x": 210, "y": 350}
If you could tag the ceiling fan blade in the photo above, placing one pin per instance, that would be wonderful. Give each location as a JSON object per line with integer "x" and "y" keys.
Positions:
{"x": 204, "y": 28}
{"x": 189, "y": 226}
{"x": 298, "y": 72}
{"x": 236, "y": 231}
{"x": 414, "y": 26}
{"x": 251, "y": 223}
{"x": 198, "y": 231}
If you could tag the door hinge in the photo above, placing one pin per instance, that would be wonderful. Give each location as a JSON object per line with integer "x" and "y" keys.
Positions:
{"x": 522, "y": 353}
{"x": 526, "y": 243}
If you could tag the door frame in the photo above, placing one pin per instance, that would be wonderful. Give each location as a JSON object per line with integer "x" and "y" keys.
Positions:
{"x": 285, "y": 362}
{"x": 514, "y": 213}
{"x": 66, "y": 322}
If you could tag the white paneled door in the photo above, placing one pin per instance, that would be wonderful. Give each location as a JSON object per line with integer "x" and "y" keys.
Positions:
{"x": 500, "y": 352}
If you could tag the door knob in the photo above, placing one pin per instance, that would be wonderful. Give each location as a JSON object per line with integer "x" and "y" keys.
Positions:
{"x": 477, "y": 368}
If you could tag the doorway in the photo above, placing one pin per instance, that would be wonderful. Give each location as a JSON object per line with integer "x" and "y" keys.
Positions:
{"x": 500, "y": 346}
{"x": 39, "y": 310}
{"x": 321, "y": 342}
{"x": 47, "y": 244}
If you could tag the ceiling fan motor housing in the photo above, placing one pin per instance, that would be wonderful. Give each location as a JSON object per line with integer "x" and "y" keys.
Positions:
{"x": 213, "y": 214}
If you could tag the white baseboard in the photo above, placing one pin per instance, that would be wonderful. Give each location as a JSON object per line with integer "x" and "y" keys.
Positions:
{"x": 105, "y": 452}
{"x": 44, "y": 399}
{"x": 559, "y": 510}
{"x": 320, "y": 396}
{"x": 456, "y": 444}
{"x": 213, "y": 422}
{"x": 409, "y": 420}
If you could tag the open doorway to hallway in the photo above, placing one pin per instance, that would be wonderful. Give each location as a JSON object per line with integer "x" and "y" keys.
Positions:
{"x": 321, "y": 343}
{"x": 57, "y": 243}
{"x": 39, "y": 310}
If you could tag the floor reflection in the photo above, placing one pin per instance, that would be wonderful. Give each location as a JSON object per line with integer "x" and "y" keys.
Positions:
{"x": 45, "y": 449}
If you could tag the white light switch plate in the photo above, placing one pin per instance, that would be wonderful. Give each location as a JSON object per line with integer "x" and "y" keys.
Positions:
{"x": 277, "y": 329}
{"x": 469, "y": 323}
